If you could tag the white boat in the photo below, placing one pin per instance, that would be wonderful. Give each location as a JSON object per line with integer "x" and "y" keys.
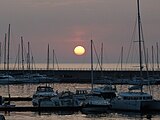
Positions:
{"x": 131, "y": 101}
{"x": 106, "y": 91}
{"x": 64, "y": 99}
{"x": 35, "y": 78}
{"x": 136, "y": 100}
{"x": 42, "y": 92}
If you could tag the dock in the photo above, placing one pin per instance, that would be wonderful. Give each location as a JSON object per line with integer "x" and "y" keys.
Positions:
{"x": 39, "y": 109}
{"x": 18, "y": 99}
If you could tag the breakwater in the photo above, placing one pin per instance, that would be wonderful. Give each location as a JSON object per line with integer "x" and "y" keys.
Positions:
{"x": 82, "y": 76}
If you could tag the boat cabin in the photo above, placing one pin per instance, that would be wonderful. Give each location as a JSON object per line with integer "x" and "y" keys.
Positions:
{"x": 44, "y": 89}
{"x": 135, "y": 96}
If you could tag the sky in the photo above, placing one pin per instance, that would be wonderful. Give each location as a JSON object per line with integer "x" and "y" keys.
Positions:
{"x": 64, "y": 24}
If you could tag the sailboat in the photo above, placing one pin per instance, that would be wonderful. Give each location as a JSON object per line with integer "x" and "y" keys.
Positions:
{"x": 136, "y": 100}
{"x": 107, "y": 91}
{"x": 94, "y": 102}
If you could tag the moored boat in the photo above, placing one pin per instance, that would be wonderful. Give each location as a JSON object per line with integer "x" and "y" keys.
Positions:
{"x": 43, "y": 92}
{"x": 136, "y": 100}
{"x": 95, "y": 104}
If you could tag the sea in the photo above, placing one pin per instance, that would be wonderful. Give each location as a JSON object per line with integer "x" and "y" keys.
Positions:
{"x": 28, "y": 90}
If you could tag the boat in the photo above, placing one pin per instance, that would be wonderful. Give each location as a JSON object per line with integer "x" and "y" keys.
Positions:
{"x": 131, "y": 101}
{"x": 136, "y": 80}
{"x": 94, "y": 102}
{"x": 136, "y": 99}
{"x": 35, "y": 78}
{"x": 5, "y": 104}
{"x": 43, "y": 92}
{"x": 45, "y": 96}
{"x": 64, "y": 99}
{"x": 81, "y": 94}
{"x": 7, "y": 79}
{"x": 106, "y": 91}
{"x": 2, "y": 117}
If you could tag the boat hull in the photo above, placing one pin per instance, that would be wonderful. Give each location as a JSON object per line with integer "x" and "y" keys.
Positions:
{"x": 151, "y": 105}
{"x": 135, "y": 105}
{"x": 126, "y": 105}
{"x": 87, "y": 109}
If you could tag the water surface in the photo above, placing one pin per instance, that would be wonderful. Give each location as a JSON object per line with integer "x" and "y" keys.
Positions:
{"x": 28, "y": 90}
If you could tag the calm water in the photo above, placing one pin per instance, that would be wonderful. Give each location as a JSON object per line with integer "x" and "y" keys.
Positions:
{"x": 28, "y": 90}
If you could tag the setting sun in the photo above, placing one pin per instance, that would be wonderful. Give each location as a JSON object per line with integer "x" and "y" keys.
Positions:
{"x": 79, "y": 50}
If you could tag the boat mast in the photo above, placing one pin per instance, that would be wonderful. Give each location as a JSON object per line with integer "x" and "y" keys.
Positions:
{"x": 28, "y": 57}
{"x": 18, "y": 55}
{"x": 32, "y": 61}
{"x": 157, "y": 56}
{"x": 48, "y": 58}
{"x": 121, "y": 58}
{"x": 22, "y": 53}
{"x": 152, "y": 61}
{"x": 0, "y": 54}
{"x": 92, "y": 65}
{"x": 9, "y": 96}
{"x": 102, "y": 60}
{"x": 139, "y": 40}
{"x": 53, "y": 59}
{"x": 5, "y": 44}
{"x": 8, "y": 47}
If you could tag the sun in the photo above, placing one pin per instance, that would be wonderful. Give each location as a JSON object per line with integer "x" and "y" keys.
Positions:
{"x": 79, "y": 50}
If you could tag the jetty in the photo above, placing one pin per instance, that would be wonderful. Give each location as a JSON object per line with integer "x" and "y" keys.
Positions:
{"x": 82, "y": 75}
{"x": 39, "y": 109}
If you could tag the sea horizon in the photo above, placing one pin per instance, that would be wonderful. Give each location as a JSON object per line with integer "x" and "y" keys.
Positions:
{"x": 79, "y": 66}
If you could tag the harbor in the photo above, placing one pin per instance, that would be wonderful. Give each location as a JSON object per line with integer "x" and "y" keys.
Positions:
{"x": 79, "y": 60}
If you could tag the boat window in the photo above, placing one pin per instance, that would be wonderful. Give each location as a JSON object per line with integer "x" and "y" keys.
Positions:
{"x": 149, "y": 98}
{"x": 135, "y": 98}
